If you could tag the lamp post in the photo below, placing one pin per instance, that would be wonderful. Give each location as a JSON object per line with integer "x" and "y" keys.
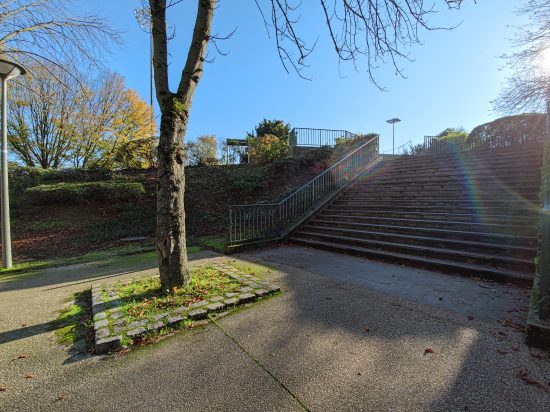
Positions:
{"x": 393, "y": 122}
{"x": 8, "y": 70}
{"x": 143, "y": 17}
{"x": 544, "y": 281}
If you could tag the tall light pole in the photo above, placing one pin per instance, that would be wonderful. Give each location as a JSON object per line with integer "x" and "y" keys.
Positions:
{"x": 8, "y": 70}
{"x": 143, "y": 17}
{"x": 393, "y": 122}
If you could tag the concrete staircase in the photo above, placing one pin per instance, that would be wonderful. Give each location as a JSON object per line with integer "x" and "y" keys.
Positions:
{"x": 472, "y": 213}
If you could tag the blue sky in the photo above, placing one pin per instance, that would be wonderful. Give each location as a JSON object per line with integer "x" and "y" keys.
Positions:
{"x": 454, "y": 76}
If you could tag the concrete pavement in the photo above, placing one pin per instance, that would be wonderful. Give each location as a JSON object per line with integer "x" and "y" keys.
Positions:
{"x": 347, "y": 334}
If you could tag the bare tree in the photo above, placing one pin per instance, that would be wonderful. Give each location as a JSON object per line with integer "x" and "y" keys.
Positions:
{"x": 374, "y": 29}
{"x": 202, "y": 152}
{"x": 57, "y": 119}
{"x": 97, "y": 107}
{"x": 42, "y": 31}
{"x": 528, "y": 86}
{"x": 41, "y": 109}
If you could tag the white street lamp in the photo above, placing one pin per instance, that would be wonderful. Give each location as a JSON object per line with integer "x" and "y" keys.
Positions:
{"x": 393, "y": 122}
{"x": 143, "y": 17}
{"x": 8, "y": 70}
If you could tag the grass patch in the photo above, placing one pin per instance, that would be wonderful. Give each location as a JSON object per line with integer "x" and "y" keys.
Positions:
{"x": 144, "y": 298}
{"x": 27, "y": 267}
{"x": 250, "y": 268}
{"x": 74, "y": 324}
{"x": 193, "y": 249}
{"x": 216, "y": 243}
{"x": 145, "y": 250}
{"x": 38, "y": 226}
{"x": 104, "y": 254}
{"x": 85, "y": 192}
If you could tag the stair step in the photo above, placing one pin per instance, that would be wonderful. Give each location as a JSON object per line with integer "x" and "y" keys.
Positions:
{"x": 471, "y": 213}
{"x": 445, "y": 187}
{"x": 484, "y": 227}
{"x": 481, "y": 211}
{"x": 520, "y": 264}
{"x": 474, "y": 246}
{"x": 502, "y": 275}
{"x": 466, "y": 217}
{"x": 413, "y": 202}
{"x": 523, "y": 165}
{"x": 504, "y": 171}
{"x": 441, "y": 181}
{"x": 505, "y": 239}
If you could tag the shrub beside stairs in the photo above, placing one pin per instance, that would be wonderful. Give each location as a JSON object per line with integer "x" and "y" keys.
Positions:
{"x": 472, "y": 213}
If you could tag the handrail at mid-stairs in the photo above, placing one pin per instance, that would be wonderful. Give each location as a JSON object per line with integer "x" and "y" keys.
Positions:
{"x": 256, "y": 222}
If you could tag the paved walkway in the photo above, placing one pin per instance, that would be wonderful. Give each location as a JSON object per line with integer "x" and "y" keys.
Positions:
{"x": 347, "y": 334}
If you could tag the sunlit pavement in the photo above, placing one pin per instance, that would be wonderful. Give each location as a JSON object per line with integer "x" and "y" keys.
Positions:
{"x": 346, "y": 334}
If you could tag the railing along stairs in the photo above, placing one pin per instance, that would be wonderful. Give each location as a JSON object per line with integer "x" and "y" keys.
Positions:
{"x": 259, "y": 222}
{"x": 437, "y": 145}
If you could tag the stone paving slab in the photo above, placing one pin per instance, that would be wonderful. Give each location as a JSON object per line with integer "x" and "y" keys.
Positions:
{"x": 110, "y": 329}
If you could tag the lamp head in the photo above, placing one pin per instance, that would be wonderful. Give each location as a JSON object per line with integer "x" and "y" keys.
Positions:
{"x": 9, "y": 69}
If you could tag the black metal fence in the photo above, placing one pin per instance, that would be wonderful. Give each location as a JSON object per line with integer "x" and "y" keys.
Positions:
{"x": 306, "y": 137}
{"x": 438, "y": 145}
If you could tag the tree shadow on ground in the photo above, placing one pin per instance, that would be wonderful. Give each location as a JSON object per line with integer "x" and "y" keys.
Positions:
{"x": 330, "y": 340}
{"x": 82, "y": 273}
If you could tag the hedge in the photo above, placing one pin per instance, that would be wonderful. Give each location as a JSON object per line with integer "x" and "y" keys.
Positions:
{"x": 88, "y": 192}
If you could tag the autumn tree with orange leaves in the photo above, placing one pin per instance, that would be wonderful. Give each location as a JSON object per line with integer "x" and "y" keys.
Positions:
{"x": 79, "y": 122}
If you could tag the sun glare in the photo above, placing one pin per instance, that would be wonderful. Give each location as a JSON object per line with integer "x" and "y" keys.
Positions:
{"x": 543, "y": 61}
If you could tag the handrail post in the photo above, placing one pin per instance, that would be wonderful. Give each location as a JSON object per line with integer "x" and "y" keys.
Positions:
{"x": 230, "y": 225}
{"x": 544, "y": 280}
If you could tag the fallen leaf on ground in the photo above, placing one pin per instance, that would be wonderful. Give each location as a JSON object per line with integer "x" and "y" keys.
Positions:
{"x": 428, "y": 350}
{"x": 21, "y": 357}
{"x": 29, "y": 376}
{"x": 501, "y": 351}
{"x": 23, "y": 325}
{"x": 524, "y": 375}
{"x": 3, "y": 388}
{"x": 512, "y": 324}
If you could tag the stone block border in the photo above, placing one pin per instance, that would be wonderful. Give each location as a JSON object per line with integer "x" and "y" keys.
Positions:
{"x": 110, "y": 326}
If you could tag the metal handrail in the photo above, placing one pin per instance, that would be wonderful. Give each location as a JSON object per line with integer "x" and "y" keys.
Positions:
{"x": 309, "y": 137}
{"x": 272, "y": 220}
{"x": 399, "y": 150}
{"x": 437, "y": 145}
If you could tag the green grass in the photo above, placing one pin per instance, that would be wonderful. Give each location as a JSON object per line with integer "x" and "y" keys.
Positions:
{"x": 74, "y": 323}
{"x": 145, "y": 298}
{"x": 85, "y": 192}
{"x": 216, "y": 243}
{"x": 193, "y": 249}
{"x": 253, "y": 269}
{"x": 38, "y": 226}
{"x": 146, "y": 250}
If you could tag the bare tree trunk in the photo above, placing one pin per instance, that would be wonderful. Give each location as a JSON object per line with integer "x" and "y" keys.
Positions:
{"x": 171, "y": 248}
